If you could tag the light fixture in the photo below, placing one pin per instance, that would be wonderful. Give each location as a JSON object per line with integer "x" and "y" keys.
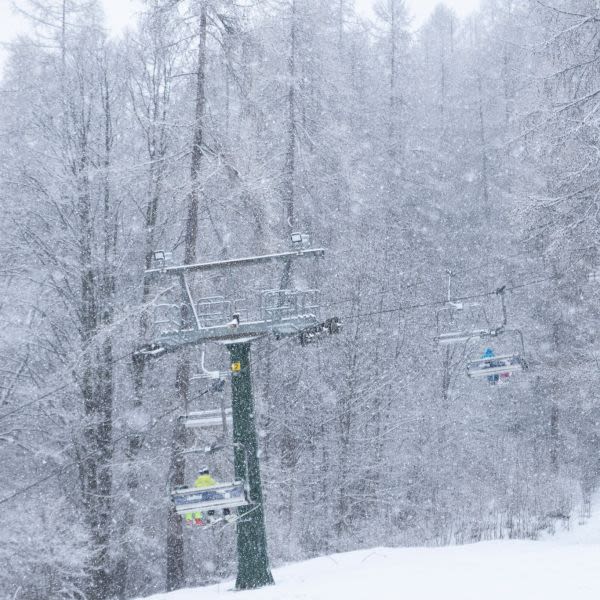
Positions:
{"x": 300, "y": 241}
{"x": 161, "y": 257}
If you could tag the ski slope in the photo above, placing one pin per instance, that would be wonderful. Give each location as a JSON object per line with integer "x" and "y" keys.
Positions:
{"x": 563, "y": 567}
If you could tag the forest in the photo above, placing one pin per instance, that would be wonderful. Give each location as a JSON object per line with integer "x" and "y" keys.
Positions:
{"x": 436, "y": 166}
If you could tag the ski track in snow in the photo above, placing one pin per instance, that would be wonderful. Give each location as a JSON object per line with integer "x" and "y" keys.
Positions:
{"x": 561, "y": 567}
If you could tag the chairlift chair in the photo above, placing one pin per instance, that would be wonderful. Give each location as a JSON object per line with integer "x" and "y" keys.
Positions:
{"x": 221, "y": 496}
{"x": 207, "y": 418}
{"x": 217, "y": 497}
{"x": 224, "y": 497}
{"x": 499, "y": 364}
{"x": 448, "y": 315}
{"x": 458, "y": 337}
{"x": 210, "y": 417}
{"x": 496, "y": 365}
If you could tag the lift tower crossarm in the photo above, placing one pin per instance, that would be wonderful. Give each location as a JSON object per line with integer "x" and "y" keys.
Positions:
{"x": 238, "y": 262}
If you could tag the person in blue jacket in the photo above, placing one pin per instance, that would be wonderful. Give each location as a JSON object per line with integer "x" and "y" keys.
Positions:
{"x": 489, "y": 353}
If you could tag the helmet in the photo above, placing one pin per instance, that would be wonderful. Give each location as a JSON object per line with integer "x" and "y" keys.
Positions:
{"x": 203, "y": 471}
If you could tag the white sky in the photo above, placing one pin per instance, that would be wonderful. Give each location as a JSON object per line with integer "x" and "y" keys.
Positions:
{"x": 120, "y": 12}
{"x": 421, "y": 9}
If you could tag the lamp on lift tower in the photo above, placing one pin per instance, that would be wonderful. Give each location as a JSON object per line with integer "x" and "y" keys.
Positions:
{"x": 160, "y": 258}
{"x": 300, "y": 241}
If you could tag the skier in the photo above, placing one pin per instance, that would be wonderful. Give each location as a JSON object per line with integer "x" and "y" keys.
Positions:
{"x": 489, "y": 353}
{"x": 203, "y": 480}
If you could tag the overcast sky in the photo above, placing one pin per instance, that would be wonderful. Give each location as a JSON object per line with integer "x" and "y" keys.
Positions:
{"x": 119, "y": 12}
{"x": 421, "y": 9}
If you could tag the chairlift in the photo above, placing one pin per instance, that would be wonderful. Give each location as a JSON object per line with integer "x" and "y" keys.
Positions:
{"x": 217, "y": 497}
{"x": 498, "y": 368}
{"x": 216, "y": 502}
{"x": 207, "y": 418}
{"x": 210, "y": 417}
{"x": 467, "y": 314}
{"x": 458, "y": 337}
{"x": 223, "y": 497}
{"x": 451, "y": 312}
{"x": 496, "y": 365}
{"x": 217, "y": 377}
{"x": 190, "y": 321}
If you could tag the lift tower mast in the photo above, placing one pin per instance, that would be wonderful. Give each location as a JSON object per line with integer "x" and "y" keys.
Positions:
{"x": 282, "y": 313}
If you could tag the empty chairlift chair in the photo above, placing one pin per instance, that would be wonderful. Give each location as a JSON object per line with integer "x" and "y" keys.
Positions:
{"x": 220, "y": 416}
{"x": 458, "y": 322}
{"x": 454, "y": 324}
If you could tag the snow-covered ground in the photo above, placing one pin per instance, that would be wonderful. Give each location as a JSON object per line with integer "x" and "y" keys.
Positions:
{"x": 563, "y": 567}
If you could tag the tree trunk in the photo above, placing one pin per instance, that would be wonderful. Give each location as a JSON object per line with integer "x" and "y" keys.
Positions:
{"x": 554, "y": 437}
{"x": 97, "y": 397}
{"x": 175, "y": 546}
{"x": 157, "y": 148}
{"x": 289, "y": 175}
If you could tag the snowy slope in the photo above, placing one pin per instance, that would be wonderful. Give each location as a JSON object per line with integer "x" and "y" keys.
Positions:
{"x": 563, "y": 567}
{"x": 582, "y": 532}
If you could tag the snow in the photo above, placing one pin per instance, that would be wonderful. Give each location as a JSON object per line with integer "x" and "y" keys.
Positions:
{"x": 556, "y": 568}
{"x": 581, "y": 531}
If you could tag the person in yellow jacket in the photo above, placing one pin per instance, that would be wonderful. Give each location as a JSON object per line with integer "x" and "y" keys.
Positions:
{"x": 203, "y": 480}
